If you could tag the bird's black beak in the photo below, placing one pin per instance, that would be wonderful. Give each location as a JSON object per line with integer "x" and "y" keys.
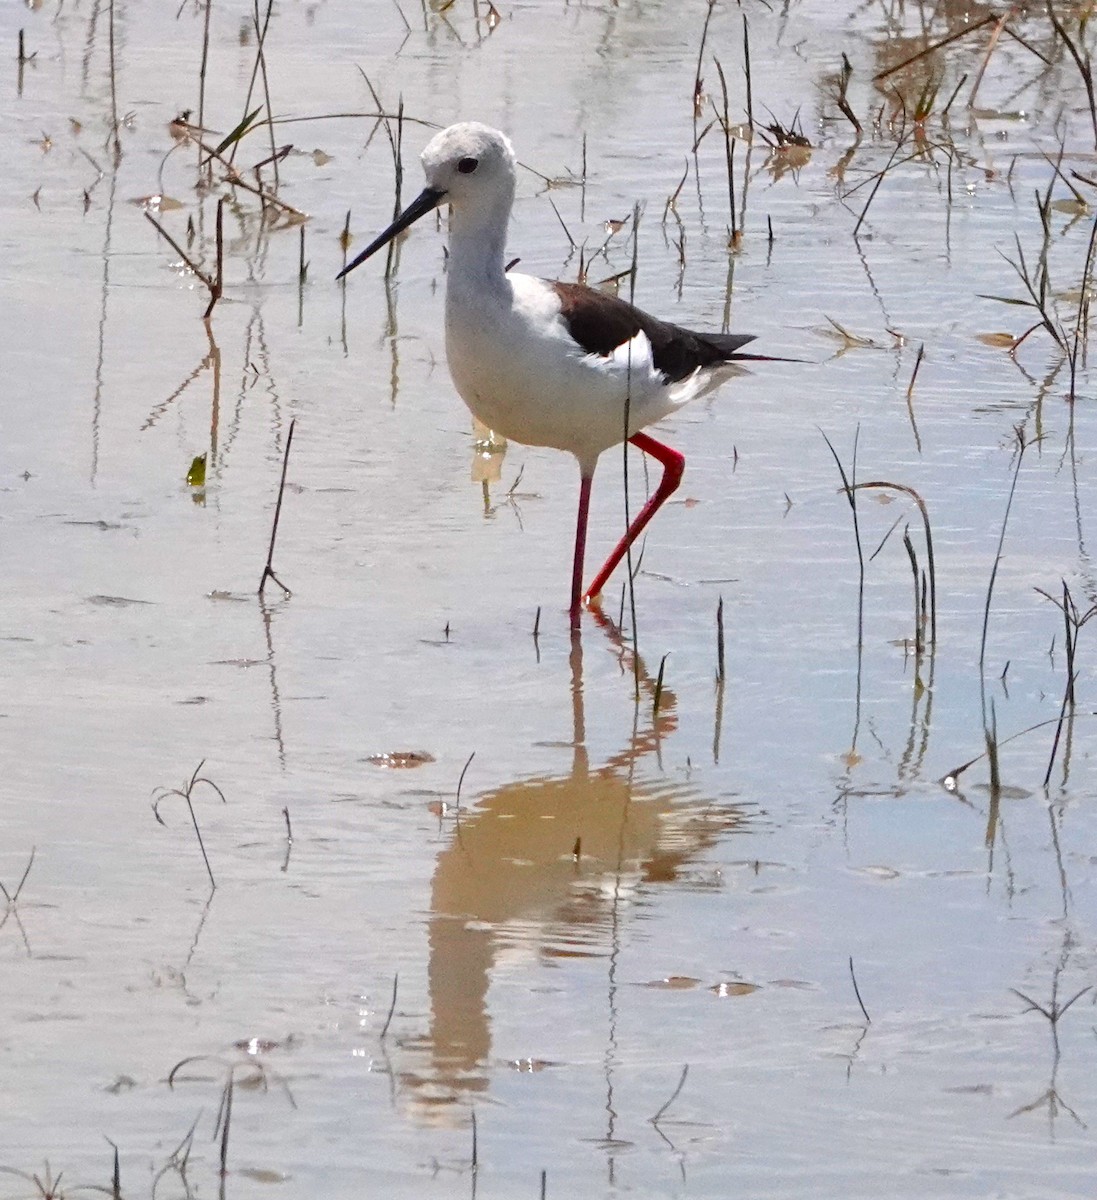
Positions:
{"x": 427, "y": 201}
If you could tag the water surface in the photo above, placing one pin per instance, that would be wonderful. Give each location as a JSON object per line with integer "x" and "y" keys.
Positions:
{"x": 619, "y": 891}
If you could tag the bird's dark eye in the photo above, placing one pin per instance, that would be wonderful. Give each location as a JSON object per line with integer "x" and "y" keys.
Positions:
{"x": 467, "y": 165}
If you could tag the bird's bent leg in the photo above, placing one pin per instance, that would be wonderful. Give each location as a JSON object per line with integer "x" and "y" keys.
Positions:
{"x": 580, "y": 549}
{"x": 673, "y": 466}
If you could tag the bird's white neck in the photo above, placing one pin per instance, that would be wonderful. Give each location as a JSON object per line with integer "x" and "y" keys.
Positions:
{"x": 477, "y": 245}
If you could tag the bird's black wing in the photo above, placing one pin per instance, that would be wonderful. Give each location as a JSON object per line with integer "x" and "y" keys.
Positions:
{"x": 600, "y": 323}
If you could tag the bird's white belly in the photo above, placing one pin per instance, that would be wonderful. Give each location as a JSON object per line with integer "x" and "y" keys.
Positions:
{"x": 521, "y": 375}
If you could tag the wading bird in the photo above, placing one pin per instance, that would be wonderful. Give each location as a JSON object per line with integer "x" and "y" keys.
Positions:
{"x": 548, "y": 363}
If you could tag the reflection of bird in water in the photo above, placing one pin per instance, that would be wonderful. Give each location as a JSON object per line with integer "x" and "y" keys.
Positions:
{"x": 540, "y": 865}
{"x": 547, "y": 363}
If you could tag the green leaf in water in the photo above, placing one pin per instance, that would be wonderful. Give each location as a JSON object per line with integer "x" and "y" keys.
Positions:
{"x": 196, "y": 476}
{"x": 1006, "y": 300}
{"x": 238, "y": 132}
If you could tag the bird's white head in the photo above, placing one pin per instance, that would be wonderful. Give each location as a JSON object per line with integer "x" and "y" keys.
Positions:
{"x": 472, "y": 165}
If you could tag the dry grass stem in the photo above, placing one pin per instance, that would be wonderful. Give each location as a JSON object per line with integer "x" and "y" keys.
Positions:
{"x": 673, "y": 1096}
{"x": 857, "y": 991}
{"x": 1081, "y": 56}
{"x": 208, "y": 280}
{"x": 659, "y": 686}
{"x": 698, "y": 82}
{"x": 879, "y": 180}
{"x": 234, "y": 179}
{"x": 923, "y": 509}
{"x": 261, "y": 61}
{"x": 850, "y": 487}
{"x": 995, "y": 35}
{"x": 1073, "y": 621}
{"x": 1081, "y": 323}
{"x": 392, "y": 1007}
{"x": 203, "y": 68}
{"x": 841, "y": 96}
{"x": 729, "y": 156}
{"x": 746, "y": 71}
{"x": 12, "y": 898}
{"x": 946, "y": 41}
{"x": 720, "y": 639}
{"x": 114, "y": 123}
{"x": 914, "y": 373}
{"x": 225, "y": 1124}
{"x": 186, "y": 793}
{"x": 461, "y": 779}
{"x": 219, "y": 278}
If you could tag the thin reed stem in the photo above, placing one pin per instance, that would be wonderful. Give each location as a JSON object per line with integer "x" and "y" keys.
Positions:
{"x": 261, "y": 58}
{"x": 1022, "y": 445}
{"x": 698, "y": 82}
{"x": 729, "y": 155}
{"x": 113, "y": 86}
{"x": 268, "y": 570}
{"x": 746, "y": 71}
{"x": 219, "y": 277}
{"x": 202, "y": 71}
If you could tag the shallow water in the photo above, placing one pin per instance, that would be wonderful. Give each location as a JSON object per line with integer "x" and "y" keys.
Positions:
{"x": 616, "y": 892}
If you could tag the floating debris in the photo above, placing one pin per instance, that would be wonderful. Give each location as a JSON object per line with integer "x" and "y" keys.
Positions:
{"x": 400, "y": 759}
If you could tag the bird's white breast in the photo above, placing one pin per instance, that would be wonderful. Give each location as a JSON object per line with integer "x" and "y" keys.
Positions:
{"x": 518, "y": 369}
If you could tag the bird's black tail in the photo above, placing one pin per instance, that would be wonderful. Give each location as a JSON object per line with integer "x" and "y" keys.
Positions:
{"x": 727, "y": 345}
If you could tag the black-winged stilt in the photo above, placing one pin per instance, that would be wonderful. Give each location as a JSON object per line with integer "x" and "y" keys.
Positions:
{"x": 549, "y": 363}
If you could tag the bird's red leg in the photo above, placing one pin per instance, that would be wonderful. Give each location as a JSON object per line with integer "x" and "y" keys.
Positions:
{"x": 580, "y": 549}
{"x": 673, "y": 466}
